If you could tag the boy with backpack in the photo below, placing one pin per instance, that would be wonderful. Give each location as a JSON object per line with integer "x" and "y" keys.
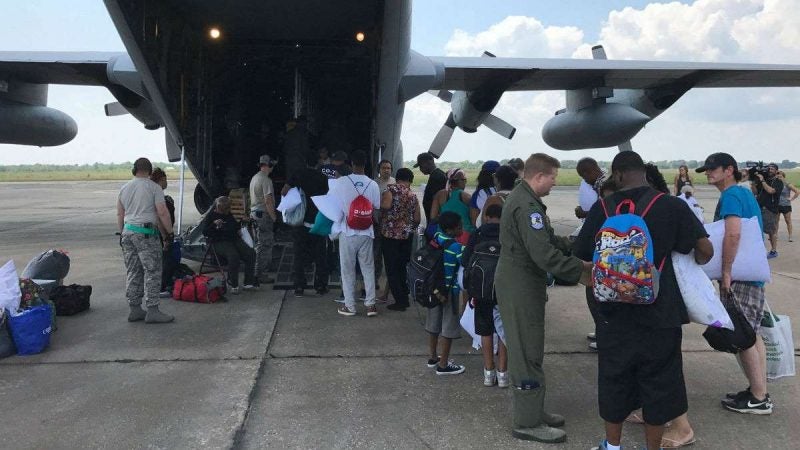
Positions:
{"x": 442, "y": 321}
{"x": 482, "y": 254}
{"x": 359, "y": 197}
{"x": 630, "y": 235}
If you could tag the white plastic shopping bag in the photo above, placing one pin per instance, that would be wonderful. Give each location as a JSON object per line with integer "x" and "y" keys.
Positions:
{"x": 468, "y": 324}
{"x": 9, "y": 288}
{"x": 246, "y": 237}
{"x": 701, "y": 300}
{"x": 750, "y": 263}
{"x": 776, "y": 330}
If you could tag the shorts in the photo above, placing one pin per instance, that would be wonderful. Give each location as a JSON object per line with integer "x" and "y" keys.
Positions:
{"x": 784, "y": 209}
{"x": 443, "y": 320}
{"x": 484, "y": 319}
{"x": 770, "y": 220}
{"x": 640, "y": 367}
{"x": 749, "y": 299}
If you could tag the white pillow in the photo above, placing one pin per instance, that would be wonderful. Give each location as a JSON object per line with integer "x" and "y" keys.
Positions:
{"x": 750, "y": 263}
{"x": 701, "y": 300}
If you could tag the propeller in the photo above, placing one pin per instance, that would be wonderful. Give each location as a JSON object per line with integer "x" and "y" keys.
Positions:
{"x": 443, "y": 136}
{"x": 115, "y": 109}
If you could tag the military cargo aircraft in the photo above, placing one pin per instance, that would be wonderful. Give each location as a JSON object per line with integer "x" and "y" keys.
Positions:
{"x": 225, "y": 79}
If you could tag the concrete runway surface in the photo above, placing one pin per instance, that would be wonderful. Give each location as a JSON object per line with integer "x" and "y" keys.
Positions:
{"x": 269, "y": 371}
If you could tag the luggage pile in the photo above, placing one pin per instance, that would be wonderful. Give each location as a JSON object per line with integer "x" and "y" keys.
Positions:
{"x": 29, "y": 305}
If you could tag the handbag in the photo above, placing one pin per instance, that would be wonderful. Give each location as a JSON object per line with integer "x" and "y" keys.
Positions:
{"x": 776, "y": 331}
{"x": 750, "y": 263}
{"x": 733, "y": 341}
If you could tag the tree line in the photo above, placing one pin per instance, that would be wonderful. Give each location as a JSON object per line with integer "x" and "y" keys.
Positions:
{"x": 572, "y": 163}
{"x": 106, "y": 167}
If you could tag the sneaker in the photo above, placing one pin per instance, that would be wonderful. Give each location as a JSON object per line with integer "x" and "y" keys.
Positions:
{"x": 593, "y": 345}
{"x": 502, "y": 379}
{"x": 747, "y": 404}
{"x": 235, "y": 290}
{"x": 339, "y": 299}
{"x": 772, "y": 254}
{"x": 433, "y": 363}
{"x": 735, "y": 395}
{"x": 345, "y": 311}
{"x": 489, "y": 377}
{"x": 164, "y": 294}
{"x": 382, "y": 300}
{"x": 248, "y": 287}
{"x": 372, "y": 311}
{"x": 591, "y": 336}
{"x": 603, "y": 446}
{"x": 298, "y": 293}
{"x": 450, "y": 369}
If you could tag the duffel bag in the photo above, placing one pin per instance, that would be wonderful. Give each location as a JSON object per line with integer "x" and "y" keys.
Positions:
{"x": 198, "y": 289}
{"x": 71, "y": 299}
{"x": 31, "y": 329}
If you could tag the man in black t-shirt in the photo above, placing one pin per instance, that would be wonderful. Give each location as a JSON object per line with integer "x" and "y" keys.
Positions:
{"x": 768, "y": 193}
{"x": 639, "y": 346}
{"x": 436, "y": 181}
{"x": 308, "y": 247}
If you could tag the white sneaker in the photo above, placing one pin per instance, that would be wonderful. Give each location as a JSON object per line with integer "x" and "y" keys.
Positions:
{"x": 489, "y": 377}
{"x": 593, "y": 345}
{"x": 502, "y": 379}
{"x": 591, "y": 336}
{"x": 235, "y": 290}
{"x": 248, "y": 287}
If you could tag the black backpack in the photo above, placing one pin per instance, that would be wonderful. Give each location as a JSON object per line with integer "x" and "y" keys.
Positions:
{"x": 71, "y": 299}
{"x": 479, "y": 272}
{"x": 425, "y": 273}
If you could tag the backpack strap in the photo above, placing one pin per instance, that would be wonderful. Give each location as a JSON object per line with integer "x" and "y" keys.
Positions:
{"x": 356, "y": 187}
{"x": 646, "y": 201}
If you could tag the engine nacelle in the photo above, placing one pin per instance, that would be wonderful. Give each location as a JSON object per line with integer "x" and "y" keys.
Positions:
{"x": 25, "y": 124}
{"x": 471, "y": 108}
{"x": 596, "y": 126}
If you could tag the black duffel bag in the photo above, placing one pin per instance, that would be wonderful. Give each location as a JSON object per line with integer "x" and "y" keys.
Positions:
{"x": 71, "y": 299}
{"x": 724, "y": 340}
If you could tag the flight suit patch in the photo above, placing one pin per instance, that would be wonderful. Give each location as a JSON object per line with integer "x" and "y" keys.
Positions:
{"x": 537, "y": 221}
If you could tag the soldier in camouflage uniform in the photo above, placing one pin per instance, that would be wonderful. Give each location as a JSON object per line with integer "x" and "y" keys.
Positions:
{"x": 529, "y": 250}
{"x": 141, "y": 215}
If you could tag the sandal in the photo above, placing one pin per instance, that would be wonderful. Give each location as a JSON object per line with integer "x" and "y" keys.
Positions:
{"x": 674, "y": 443}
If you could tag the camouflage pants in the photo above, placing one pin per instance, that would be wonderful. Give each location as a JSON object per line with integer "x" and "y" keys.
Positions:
{"x": 265, "y": 239}
{"x": 143, "y": 264}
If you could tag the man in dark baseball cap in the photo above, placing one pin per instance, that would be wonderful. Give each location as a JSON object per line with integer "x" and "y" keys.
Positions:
{"x": 719, "y": 160}
{"x": 422, "y": 158}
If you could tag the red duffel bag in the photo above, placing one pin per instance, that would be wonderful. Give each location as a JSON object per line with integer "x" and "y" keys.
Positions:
{"x": 198, "y": 289}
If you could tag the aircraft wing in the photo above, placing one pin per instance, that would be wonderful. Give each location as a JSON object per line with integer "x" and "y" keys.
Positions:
{"x": 539, "y": 74}
{"x": 78, "y": 68}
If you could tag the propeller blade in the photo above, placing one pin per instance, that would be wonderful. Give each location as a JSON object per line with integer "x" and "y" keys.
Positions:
{"x": 443, "y": 95}
{"x": 598, "y": 52}
{"x": 443, "y": 137}
{"x": 488, "y": 55}
{"x": 625, "y": 147}
{"x": 115, "y": 109}
{"x": 499, "y": 126}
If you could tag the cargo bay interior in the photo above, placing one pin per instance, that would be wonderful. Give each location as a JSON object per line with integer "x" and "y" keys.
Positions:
{"x": 233, "y": 95}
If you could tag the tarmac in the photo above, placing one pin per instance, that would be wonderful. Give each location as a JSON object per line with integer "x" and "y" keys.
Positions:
{"x": 267, "y": 370}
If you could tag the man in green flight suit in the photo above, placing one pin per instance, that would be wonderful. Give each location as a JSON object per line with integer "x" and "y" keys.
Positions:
{"x": 529, "y": 251}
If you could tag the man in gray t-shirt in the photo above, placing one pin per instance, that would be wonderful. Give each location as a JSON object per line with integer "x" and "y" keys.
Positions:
{"x": 142, "y": 217}
{"x": 262, "y": 211}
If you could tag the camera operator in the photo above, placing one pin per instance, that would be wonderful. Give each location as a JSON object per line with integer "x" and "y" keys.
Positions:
{"x": 767, "y": 187}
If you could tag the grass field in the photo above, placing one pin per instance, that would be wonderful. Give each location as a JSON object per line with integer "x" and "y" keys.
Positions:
{"x": 566, "y": 177}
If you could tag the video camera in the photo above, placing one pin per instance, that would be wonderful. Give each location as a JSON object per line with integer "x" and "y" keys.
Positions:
{"x": 756, "y": 167}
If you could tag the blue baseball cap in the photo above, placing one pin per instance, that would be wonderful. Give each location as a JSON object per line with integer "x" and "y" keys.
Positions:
{"x": 490, "y": 166}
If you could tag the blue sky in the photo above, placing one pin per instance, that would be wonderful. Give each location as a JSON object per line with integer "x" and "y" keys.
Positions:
{"x": 749, "y": 123}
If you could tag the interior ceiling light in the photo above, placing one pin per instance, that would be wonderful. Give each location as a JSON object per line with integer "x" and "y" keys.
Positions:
{"x": 360, "y": 36}
{"x": 214, "y": 33}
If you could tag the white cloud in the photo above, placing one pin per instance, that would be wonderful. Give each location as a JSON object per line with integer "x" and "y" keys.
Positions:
{"x": 742, "y": 121}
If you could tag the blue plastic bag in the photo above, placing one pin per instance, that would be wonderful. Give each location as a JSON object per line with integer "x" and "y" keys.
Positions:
{"x": 31, "y": 329}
